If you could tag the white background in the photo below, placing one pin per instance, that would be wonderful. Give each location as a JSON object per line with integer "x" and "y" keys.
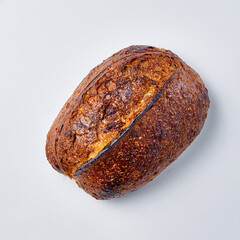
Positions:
{"x": 46, "y": 48}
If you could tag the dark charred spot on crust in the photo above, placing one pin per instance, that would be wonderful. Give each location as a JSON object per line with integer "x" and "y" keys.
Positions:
{"x": 110, "y": 110}
{"x": 110, "y": 188}
{"x": 80, "y": 124}
{"x": 67, "y": 133}
{"x": 149, "y": 80}
{"x": 113, "y": 125}
{"x": 57, "y": 168}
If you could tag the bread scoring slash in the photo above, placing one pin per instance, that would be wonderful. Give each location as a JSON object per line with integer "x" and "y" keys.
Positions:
{"x": 129, "y": 118}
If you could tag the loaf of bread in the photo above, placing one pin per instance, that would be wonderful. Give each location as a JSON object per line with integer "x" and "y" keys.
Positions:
{"x": 131, "y": 117}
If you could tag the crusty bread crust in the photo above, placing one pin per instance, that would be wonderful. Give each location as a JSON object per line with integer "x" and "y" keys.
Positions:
{"x": 128, "y": 120}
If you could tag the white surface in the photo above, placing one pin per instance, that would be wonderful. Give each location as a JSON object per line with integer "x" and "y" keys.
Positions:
{"x": 46, "y": 48}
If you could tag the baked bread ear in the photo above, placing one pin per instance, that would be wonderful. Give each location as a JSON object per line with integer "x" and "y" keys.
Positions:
{"x": 131, "y": 117}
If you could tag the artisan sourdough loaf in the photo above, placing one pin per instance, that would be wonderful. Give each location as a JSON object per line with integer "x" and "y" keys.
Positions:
{"x": 131, "y": 117}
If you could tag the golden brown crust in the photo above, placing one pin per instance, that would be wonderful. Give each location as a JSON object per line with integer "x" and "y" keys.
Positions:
{"x": 144, "y": 132}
